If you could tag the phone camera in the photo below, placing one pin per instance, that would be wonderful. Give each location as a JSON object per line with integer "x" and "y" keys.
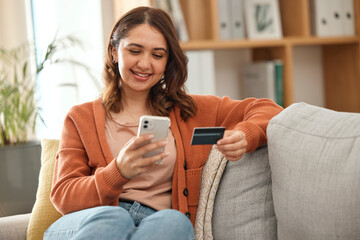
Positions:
{"x": 146, "y": 121}
{"x": 145, "y": 126}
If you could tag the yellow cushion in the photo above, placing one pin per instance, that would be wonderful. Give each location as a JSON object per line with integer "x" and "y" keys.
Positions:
{"x": 43, "y": 213}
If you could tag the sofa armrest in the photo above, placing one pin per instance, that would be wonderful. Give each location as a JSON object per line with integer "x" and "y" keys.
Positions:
{"x": 314, "y": 155}
{"x": 14, "y": 227}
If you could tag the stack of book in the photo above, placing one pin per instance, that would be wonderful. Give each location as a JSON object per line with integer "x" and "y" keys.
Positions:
{"x": 263, "y": 79}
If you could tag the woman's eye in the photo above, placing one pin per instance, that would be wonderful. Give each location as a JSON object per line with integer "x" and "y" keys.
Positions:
{"x": 157, "y": 55}
{"x": 134, "y": 51}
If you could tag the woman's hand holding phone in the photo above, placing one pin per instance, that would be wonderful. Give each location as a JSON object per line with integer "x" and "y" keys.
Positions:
{"x": 131, "y": 161}
{"x": 145, "y": 150}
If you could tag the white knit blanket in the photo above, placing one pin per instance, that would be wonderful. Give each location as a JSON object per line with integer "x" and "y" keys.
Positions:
{"x": 210, "y": 179}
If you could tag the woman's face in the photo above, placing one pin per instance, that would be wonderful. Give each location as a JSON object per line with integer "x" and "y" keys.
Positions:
{"x": 142, "y": 58}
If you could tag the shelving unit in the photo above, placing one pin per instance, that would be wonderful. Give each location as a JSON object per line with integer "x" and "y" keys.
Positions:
{"x": 340, "y": 55}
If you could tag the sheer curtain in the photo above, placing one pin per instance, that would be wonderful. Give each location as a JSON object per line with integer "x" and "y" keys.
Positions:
{"x": 62, "y": 86}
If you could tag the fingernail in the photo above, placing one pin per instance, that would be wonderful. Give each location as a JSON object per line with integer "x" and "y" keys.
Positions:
{"x": 158, "y": 162}
{"x": 215, "y": 146}
{"x": 166, "y": 154}
{"x": 150, "y": 136}
{"x": 164, "y": 143}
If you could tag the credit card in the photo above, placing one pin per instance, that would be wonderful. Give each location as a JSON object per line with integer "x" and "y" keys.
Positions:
{"x": 207, "y": 135}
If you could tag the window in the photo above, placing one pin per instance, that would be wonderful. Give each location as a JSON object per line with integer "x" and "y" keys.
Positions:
{"x": 63, "y": 85}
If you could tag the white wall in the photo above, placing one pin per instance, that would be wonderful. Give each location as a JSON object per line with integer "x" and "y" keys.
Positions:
{"x": 308, "y": 75}
{"x": 228, "y": 71}
{"x": 14, "y": 23}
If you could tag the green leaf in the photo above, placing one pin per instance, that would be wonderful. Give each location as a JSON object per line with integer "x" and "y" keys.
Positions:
{"x": 19, "y": 108}
{"x": 25, "y": 69}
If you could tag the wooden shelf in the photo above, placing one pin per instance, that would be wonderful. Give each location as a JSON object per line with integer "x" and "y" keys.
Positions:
{"x": 340, "y": 55}
{"x": 341, "y": 84}
{"x": 323, "y": 41}
{"x": 231, "y": 44}
{"x": 292, "y": 41}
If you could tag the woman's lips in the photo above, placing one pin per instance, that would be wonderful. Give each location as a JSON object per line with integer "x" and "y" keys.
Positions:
{"x": 141, "y": 76}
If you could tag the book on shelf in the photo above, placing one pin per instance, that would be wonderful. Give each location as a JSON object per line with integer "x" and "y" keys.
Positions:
{"x": 279, "y": 88}
{"x": 263, "y": 79}
{"x": 173, "y": 8}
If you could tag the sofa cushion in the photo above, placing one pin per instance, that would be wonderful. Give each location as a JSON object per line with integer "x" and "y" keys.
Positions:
{"x": 14, "y": 227}
{"x": 243, "y": 207}
{"x": 44, "y": 213}
{"x": 315, "y": 162}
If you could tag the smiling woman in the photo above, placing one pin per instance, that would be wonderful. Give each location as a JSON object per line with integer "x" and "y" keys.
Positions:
{"x": 141, "y": 58}
{"x": 106, "y": 183}
{"x": 159, "y": 45}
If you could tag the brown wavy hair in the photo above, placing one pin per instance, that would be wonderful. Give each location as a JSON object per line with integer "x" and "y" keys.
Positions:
{"x": 170, "y": 90}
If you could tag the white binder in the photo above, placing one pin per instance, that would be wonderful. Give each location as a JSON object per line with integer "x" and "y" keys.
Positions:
{"x": 348, "y": 25}
{"x": 336, "y": 17}
{"x": 320, "y": 16}
{"x": 224, "y": 19}
{"x": 237, "y": 19}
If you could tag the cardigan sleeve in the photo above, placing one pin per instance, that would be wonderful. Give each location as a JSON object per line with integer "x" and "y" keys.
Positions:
{"x": 250, "y": 116}
{"x": 76, "y": 184}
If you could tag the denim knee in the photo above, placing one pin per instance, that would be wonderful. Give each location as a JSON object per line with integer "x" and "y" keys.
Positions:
{"x": 105, "y": 222}
{"x": 109, "y": 212}
{"x": 111, "y": 215}
{"x": 170, "y": 224}
{"x": 171, "y": 215}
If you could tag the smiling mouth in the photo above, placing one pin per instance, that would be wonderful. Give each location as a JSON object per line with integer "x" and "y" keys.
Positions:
{"x": 140, "y": 74}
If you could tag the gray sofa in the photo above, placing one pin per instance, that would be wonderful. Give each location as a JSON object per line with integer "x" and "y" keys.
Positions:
{"x": 304, "y": 184}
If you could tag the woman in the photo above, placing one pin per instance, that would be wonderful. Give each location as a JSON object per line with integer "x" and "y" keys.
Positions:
{"x": 102, "y": 184}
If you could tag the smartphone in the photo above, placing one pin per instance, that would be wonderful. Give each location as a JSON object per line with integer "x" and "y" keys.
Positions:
{"x": 158, "y": 126}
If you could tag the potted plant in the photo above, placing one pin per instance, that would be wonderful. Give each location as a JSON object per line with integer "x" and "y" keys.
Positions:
{"x": 19, "y": 113}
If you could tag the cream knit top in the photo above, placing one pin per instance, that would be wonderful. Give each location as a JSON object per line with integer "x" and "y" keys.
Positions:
{"x": 152, "y": 188}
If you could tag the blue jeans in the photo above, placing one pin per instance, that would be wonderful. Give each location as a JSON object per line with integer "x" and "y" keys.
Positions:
{"x": 128, "y": 221}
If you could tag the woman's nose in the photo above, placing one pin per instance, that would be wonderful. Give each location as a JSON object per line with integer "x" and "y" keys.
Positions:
{"x": 144, "y": 62}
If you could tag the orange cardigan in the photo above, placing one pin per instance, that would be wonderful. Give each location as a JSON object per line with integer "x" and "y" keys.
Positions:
{"x": 85, "y": 172}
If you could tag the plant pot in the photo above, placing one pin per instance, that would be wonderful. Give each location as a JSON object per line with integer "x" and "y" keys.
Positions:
{"x": 19, "y": 177}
